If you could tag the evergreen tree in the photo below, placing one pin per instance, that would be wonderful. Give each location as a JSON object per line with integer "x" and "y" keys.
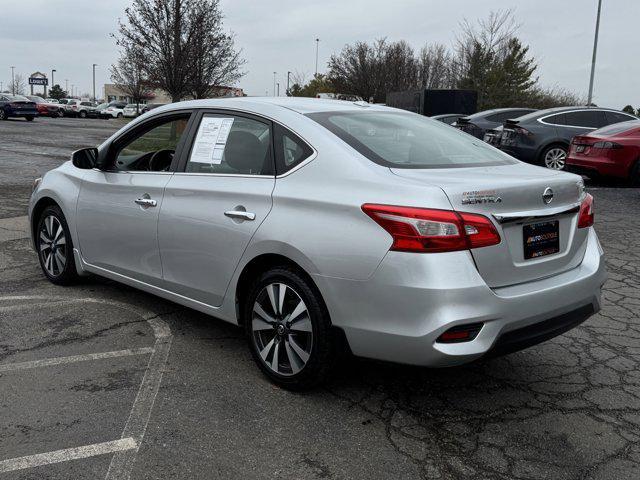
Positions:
{"x": 57, "y": 92}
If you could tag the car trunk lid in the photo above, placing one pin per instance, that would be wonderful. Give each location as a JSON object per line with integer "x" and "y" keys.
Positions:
{"x": 512, "y": 197}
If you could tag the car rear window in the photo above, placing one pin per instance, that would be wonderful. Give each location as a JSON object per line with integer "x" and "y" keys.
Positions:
{"x": 405, "y": 140}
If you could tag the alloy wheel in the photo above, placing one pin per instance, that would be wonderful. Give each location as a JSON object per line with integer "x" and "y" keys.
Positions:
{"x": 3, "y": 115}
{"x": 53, "y": 246}
{"x": 281, "y": 329}
{"x": 555, "y": 158}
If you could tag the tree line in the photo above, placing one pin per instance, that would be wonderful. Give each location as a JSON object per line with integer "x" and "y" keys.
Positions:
{"x": 487, "y": 57}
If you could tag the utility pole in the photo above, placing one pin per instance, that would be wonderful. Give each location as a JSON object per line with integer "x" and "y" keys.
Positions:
{"x": 94, "y": 81}
{"x": 72, "y": 85}
{"x": 317, "y": 45}
{"x": 66, "y": 85}
{"x": 288, "y": 75}
{"x": 13, "y": 81}
{"x": 593, "y": 58}
{"x": 278, "y": 89}
{"x": 274, "y": 84}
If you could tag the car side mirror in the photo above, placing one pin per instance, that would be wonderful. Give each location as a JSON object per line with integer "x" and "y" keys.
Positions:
{"x": 86, "y": 158}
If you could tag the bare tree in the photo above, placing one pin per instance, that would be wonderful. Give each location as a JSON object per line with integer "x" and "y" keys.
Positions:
{"x": 214, "y": 60}
{"x": 182, "y": 43}
{"x": 435, "y": 67}
{"x": 129, "y": 75}
{"x": 18, "y": 85}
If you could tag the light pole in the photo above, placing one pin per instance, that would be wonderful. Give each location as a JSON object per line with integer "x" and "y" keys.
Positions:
{"x": 53, "y": 70}
{"x": 288, "y": 75}
{"x": 72, "y": 85}
{"x": 593, "y": 58}
{"x": 13, "y": 82}
{"x": 94, "y": 81}
{"x": 274, "y": 84}
{"x": 317, "y": 45}
{"x": 278, "y": 89}
{"x": 66, "y": 85}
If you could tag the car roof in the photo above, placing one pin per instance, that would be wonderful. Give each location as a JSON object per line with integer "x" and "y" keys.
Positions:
{"x": 550, "y": 111}
{"x": 486, "y": 113}
{"x": 297, "y": 104}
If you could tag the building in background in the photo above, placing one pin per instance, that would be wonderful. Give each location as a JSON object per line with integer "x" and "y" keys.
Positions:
{"x": 112, "y": 93}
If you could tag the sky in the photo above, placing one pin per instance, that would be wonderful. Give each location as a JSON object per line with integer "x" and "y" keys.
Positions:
{"x": 279, "y": 36}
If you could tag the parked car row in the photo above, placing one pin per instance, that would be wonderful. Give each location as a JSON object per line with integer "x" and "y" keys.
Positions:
{"x": 589, "y": 140}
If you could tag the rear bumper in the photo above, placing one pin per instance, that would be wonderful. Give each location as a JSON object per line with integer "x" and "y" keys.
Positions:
{"x": 399, "y": 312}
{"x": 598, "y": 165}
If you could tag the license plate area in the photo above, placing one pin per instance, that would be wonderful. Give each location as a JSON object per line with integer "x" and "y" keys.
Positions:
{"x": 541, "y": 239}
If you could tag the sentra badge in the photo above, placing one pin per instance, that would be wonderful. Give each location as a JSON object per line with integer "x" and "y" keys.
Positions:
{"x": 480, "y": 196}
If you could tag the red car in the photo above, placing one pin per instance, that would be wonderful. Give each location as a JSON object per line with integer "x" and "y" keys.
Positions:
{"x": 46, "y": 109}
{"x": 611, "y": 151}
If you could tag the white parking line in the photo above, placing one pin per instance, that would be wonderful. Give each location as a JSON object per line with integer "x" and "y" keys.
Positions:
{"x": 125, "y": 449}
{"x": 67, "y": 454}
{"x": 46, "y": 362}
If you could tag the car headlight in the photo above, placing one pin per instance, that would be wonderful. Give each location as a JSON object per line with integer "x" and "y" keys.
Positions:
{"x": 36, "y": 183}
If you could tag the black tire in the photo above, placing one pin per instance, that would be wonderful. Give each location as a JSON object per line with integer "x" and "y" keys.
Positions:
{"x": 3, "y": 114}
{"x": 65, "y": 274}
{"x": 322, "y": 343}
{"x": 120, "y": 115}
{"x": 82, "y": 114}
{"x": 634, "y": 178}
{"x": 59, "y": 114}
{"x": 547, "y": 151}
{"x": 29, "y": 118}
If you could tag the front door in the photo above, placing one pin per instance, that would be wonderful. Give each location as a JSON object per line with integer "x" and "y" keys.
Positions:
{"x": 118, "y": 207}
{"x": 214, "y": 206}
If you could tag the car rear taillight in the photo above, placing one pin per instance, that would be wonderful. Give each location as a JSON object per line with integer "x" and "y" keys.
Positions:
{"x": 607, "y": 145}
{"x": 426, "y": 230}
{"x": 522, "y": 131}
{"x": 586, "y": 216}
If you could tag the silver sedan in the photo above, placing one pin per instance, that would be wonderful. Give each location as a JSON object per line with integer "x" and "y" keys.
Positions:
{"x": 319, "y": 225}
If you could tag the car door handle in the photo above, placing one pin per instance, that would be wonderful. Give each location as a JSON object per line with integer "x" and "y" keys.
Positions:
{"x": 240, "y": 214}
{"x": 146, "y": 202}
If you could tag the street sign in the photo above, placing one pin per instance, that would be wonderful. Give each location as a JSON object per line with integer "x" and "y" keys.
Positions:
{"x": 38, "y": 81}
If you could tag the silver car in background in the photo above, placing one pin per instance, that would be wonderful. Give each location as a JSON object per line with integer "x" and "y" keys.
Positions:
{"x": 322, "y": 224}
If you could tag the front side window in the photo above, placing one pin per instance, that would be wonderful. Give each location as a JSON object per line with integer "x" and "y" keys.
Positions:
{"x": 152, "y": 149}
{"x": 405, "y": 140}
{"x": 232, "y": 145}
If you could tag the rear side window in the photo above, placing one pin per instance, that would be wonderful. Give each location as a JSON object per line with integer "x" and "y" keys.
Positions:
{"x": 616, "y": 117}
{"x": 558, "y": 119}
{"x": 584, "y": 118}
{"x": 291, "y": 150}
{"x": 232, "y": 145}
{"x": 405, "y": 140}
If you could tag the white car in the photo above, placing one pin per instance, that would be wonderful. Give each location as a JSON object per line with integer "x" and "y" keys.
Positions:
{"x": 115, "y": 110}
{"x": 132, "y": 110}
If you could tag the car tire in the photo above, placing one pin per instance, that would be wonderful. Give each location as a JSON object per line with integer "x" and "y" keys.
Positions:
{"x": 120, "y": 115}
{"x": 82, "y": 114}
{"x": 59, "y": 114}
{"x": 3, "y": 114}
{"x": 294, "y": 353}
{"x": 554, "y": 157}
{"x": 55, "y": 247}
{"x": 29, "y": 118}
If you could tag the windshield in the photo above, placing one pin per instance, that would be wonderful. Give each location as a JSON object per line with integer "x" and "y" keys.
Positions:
{"x": 406, "y": 140}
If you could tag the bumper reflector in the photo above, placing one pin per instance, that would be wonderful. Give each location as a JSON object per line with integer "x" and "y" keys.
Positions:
{"x": 460, "y": 333}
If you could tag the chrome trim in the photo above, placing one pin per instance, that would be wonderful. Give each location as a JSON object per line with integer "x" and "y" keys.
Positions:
{"x": 541, "y": 119}
{"x": 523, "y": 217}
{"x": 241, "y": 175}
{"x": 240, "y": 214}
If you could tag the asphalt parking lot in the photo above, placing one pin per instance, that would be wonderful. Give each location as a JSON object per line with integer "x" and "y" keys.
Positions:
{"x": 102, "y": 381}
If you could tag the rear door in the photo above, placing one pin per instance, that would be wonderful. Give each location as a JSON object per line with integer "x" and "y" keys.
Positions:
{"x": 214, "y": 205}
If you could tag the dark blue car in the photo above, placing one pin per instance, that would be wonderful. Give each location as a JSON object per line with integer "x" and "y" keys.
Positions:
{"x": 17, "y": 106}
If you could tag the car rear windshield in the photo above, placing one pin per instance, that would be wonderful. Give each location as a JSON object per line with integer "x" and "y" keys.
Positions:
{"x": 615, "y": 128}
{"x": 406, "y": 140}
